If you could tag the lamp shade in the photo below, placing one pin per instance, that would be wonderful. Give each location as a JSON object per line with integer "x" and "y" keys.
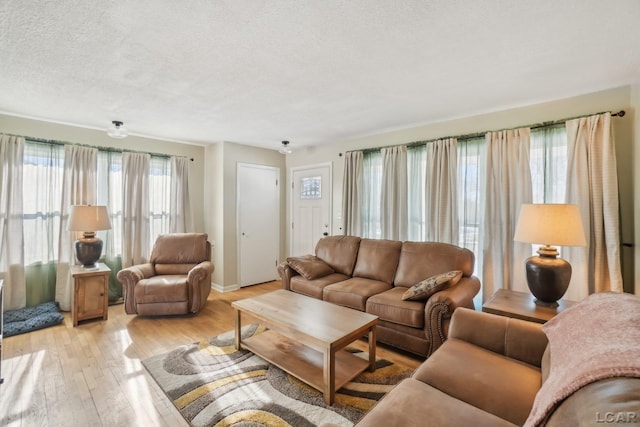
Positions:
{"x": 89, "y": 218}
{"x": 550, "y": 224}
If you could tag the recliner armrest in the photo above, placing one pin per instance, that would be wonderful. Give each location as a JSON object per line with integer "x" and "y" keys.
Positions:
{"x": 514, "y": 338}
{"x": 129, "y": 277}
{"x": 200, "y": 271}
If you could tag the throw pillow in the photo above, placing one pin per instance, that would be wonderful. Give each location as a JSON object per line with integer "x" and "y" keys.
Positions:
{"x": 310, "y": 267}
{"x": 423, "y": 290}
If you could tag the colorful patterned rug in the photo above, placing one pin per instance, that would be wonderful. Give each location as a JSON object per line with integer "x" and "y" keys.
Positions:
{"x": 212, "y": 384}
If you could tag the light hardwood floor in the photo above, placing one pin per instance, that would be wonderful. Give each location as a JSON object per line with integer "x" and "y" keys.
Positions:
{"x": 92, "y": 375}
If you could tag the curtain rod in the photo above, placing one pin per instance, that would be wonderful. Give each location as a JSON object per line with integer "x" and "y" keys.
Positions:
{"x": 109, "y": 149}
{"x": 464, "y": 137}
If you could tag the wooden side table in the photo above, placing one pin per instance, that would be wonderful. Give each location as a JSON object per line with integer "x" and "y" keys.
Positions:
{"x": 521, "y": 305}
{"x": 90, "y": 293}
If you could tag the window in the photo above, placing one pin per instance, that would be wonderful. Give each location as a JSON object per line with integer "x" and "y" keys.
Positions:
{"x": 372, "y": 170}
{"x": 469, "y": 200}
{"x": 41, "y": 197}
{"x": 43, "y": 169}
{"x": 548, "y": 162}
{"x": 311, "y": 188}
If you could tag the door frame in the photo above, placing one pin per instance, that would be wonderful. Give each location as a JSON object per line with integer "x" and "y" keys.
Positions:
{"x": 291, "y": 214}
{"x": 238, "y": 228}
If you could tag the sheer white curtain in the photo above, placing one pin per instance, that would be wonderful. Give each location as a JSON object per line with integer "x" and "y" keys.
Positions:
{"x": 441, "y": 180}
{"x": 79, "y": 187}
{"x": 508, "y": 185}
{"x": 393, "y": 203}
{"x": 352, "y": 188}
{"x": 110, "y": 195}
{"x": 415, "y": 193}
{"x": 42, "y": 175}
{"x": 592, "y": 184}
{"x": 372, "y": 182}
{"x": 180, "y": 217}
{"x": 135, "y": 209}
{"x": 11, "y": 236}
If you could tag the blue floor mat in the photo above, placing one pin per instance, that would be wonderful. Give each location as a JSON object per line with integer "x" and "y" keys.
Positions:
{"x": 30, "y": 319}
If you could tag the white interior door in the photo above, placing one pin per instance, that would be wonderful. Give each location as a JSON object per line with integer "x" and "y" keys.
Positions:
{"x": 258, "y": 223}
{"x": 311, "y": 197}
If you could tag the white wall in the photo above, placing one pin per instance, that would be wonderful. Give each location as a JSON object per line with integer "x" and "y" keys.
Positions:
{"x": 221, "y": 200}
{"x": 78, "y": 135}
{"x": 609, "y": 100}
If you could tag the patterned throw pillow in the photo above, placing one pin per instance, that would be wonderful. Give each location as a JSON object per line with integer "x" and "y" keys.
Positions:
{"x": 423, "y": 290}
{"x": 310, "y": 267}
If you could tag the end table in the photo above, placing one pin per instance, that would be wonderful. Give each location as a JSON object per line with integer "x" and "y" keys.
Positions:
{"x": 90, "y": 292}
{"x": 521, "y": 305}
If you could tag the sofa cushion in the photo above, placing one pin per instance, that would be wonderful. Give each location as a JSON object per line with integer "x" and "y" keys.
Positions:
{"x": 377, "y": 259}
{"x": 339, "y": 252}
{"x": 391, "y": 307}
{"x": 489, "y": 381}
{"x": 414, "y": 403}
{"x": 159, "y": 289}
{"x": 423, "y": 290}
{"x": 419, "y": 260}
{"x": 314, "y": 288}
{"x": 310, "y": 266}
{"x": 354, "y": 292}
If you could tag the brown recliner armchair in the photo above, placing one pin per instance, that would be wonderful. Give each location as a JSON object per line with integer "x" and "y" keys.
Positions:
{"x": 176, "y": 280}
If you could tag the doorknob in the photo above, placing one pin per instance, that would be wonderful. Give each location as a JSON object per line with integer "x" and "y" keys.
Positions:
{"x": 325, "y": 234}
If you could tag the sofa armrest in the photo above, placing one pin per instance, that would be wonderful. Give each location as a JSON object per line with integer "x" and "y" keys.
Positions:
{"x": 129, "y": 277}
{"x": 195, "y": 278}
{"x": 441, "y": 306}
{"x": 286, "y": 273}
{"x": 514, "y": 338}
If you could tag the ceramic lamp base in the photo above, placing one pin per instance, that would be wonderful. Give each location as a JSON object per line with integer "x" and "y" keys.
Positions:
{"x": 548, "y": 279}
{"x": 88, "y": 251}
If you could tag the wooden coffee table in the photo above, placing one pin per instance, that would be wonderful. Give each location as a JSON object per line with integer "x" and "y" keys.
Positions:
{"x": 306, "y": 337}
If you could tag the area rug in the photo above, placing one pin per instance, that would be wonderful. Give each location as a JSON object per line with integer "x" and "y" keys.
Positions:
{"x": 29, "y": 319}
{"x": 213, "y": 384}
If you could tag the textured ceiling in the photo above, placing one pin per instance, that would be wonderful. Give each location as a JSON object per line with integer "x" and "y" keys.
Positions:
{"x": 257, "y": 72}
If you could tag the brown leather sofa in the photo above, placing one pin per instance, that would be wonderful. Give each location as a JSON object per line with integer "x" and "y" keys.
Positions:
{"x": 176, "y": 280}
{"x": 489, "y": 372}
{"x": 372, "y": 275}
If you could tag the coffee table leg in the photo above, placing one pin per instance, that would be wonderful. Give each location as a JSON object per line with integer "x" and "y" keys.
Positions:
{"x": 238, "y": 328}
{"x": 372, "y": 349}
{"x": 329, "y": 376}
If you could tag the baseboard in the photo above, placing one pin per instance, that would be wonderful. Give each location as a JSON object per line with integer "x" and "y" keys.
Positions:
{"x": 222, "y": 288}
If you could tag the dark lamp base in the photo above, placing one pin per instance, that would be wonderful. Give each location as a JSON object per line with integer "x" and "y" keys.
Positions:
{"x": 88, "y": 251}
{"x": 548, "y": 279}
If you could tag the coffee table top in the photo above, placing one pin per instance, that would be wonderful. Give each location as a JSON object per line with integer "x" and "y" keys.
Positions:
{"x": 315, "y": 318}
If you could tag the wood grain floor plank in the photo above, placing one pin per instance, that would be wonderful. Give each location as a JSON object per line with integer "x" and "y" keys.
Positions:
{"x": 92, "y": 375}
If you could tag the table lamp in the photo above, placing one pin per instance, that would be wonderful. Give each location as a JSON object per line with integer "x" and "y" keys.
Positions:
{"x": 548, "y": 275}
{"x": 88, "y": 219}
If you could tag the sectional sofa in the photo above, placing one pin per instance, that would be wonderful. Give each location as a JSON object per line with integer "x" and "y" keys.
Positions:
{"x": 374, "y": 275}
{"x": 582, "y": 368}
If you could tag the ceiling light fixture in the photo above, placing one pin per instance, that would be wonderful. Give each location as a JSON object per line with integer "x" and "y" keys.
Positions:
{"x": 285, "y": 148}
{"x": 117, "y": 130}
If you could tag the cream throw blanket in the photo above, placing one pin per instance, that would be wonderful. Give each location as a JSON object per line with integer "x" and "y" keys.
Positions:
{"x": 597, "y": 338}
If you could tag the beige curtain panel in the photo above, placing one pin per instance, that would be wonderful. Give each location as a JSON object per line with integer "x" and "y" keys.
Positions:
{"x": 11, "y": 227}
{"x": 508, "y": 185}
{"x": 352, "y": 188}
{"x": 79, "y": 186}
{"x": 393, "y": 204}
{"x": 440, "y": 184}
{"x": 592, "y": 184}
